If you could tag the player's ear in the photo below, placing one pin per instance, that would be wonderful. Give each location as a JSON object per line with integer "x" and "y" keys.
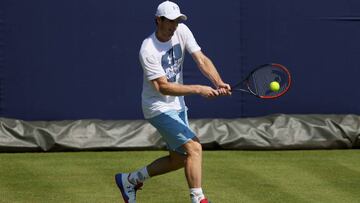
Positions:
{"x": 157, "y": 20}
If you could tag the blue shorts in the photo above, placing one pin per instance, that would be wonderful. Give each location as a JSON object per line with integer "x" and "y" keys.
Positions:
{"x": 174, "y": 128}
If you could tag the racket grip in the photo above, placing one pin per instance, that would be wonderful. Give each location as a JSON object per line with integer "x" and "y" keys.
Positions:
{"x": 218, "y": 90}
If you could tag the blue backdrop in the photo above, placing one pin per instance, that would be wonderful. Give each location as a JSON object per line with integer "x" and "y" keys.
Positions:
{"x": 75, "y": 59}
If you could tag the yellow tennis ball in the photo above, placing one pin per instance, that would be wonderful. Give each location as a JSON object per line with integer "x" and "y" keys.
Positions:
{"x": 274, "y": 86}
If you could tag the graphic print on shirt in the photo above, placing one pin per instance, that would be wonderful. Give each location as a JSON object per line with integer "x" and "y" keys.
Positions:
{"x": 171, "y": 62}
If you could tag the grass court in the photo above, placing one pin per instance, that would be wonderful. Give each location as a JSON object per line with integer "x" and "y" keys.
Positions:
{"x": 229, "y": 177}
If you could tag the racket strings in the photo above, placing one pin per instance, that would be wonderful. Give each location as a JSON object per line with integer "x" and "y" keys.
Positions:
{"x": 261, "y": 79}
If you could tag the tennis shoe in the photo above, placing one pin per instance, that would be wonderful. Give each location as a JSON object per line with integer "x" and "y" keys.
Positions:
{"x": 196, "y": 200}
{"x": 127, "y": 189}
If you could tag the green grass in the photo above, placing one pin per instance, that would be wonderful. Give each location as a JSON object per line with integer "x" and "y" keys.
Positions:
{"x": 229, "y": 176}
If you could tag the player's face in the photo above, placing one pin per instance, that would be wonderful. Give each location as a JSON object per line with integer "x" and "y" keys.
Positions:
{"x": 166, "y": 28}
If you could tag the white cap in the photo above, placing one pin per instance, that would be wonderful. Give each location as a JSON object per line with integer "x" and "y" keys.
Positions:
{"x": 169, "y": 10}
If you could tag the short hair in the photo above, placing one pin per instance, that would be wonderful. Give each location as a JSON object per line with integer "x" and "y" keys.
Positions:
{"x": 161, "y": 17}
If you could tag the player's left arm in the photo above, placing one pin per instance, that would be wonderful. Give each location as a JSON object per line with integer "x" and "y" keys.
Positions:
{"x": 207, "y": 67}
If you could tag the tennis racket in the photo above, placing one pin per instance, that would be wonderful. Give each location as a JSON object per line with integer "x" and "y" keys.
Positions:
{"x": 258, "y": 81}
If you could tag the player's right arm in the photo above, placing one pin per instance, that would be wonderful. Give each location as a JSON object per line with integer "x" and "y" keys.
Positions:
{"x": 162, "y": 85}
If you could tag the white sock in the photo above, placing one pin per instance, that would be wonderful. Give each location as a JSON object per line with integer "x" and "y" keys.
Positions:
{"x": 196, "y": 194}
{"x": 139, "y": 176}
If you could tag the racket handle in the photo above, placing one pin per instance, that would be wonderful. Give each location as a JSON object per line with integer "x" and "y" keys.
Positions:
{"x": 219, "y": 91}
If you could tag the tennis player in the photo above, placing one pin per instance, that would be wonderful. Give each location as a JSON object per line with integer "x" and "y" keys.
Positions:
{"x": 161, "y": 57}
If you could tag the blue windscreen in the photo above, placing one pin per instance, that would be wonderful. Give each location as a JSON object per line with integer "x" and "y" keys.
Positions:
{"x": 76, "y": 59}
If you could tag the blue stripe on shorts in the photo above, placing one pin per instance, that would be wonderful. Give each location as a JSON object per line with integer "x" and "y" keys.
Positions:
{"x": 174, "y": 128}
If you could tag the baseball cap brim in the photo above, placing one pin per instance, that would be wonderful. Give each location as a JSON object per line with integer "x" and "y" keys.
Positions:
{"x": 176, "y": 16}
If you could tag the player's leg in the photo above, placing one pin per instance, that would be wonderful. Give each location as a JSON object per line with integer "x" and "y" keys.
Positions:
{"x": 128, "y": 183}
{"x": 193, "y": 170}
{"x": 175, "y": 133}
{"x": 172, "y": 162}
{"x": 174, "y": 128}
{"x": 193, "y": 163}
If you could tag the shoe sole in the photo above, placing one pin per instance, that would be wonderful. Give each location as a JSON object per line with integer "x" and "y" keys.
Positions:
{"x": 118, "y": 180}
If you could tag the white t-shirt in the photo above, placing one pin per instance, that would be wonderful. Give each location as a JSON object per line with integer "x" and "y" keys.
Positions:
{"x": 164, "y": 59}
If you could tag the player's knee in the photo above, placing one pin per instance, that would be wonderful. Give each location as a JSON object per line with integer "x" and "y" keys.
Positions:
{"x": 193, "y": 148}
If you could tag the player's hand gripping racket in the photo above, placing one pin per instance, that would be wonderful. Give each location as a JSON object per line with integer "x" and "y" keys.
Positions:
{"x": 267, "y": 81}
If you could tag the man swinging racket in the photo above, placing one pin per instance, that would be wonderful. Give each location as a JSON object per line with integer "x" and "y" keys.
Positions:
{"x": 161, "y": 57}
